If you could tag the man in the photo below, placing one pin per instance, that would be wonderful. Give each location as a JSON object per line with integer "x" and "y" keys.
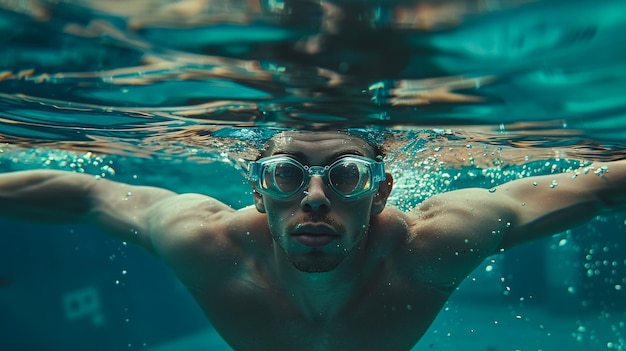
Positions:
{"x": 319, "y": 262}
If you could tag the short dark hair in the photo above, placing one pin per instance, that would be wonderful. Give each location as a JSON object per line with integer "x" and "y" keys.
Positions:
{"x": 374, "y": 138}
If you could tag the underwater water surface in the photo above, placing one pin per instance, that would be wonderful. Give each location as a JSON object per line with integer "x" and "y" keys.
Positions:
{"x": 182, "y": 94}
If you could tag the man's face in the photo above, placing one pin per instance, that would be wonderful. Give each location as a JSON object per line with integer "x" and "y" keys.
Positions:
{"x": 317, "y": 229}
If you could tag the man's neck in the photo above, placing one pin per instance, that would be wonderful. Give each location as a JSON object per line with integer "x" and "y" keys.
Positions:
{"x": 321, "y": 296}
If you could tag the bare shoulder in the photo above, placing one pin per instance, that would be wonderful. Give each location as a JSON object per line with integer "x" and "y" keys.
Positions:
{"x": 451, "y": 233}
{"x": 188, "y": 212}
{"x": 199, "y": 236}
{"x": 461, "y": 213}
{"x": 197, "y": 221}
{"x": 389, "y": 229}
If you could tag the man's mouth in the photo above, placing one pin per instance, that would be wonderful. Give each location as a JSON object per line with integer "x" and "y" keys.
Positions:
{"x": 316, "y": 240}
{"x": 315, "y": 235}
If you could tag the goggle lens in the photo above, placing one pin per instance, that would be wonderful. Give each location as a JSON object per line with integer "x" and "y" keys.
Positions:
{"x": 283, "y": 178}
{"x": 350, "y": 177}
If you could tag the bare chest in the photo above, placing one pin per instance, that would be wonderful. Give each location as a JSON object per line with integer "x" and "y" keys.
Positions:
{"x": 388, "y": 315}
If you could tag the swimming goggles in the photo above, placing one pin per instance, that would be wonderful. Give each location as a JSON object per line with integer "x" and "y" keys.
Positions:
{"x": 350, "y": 177}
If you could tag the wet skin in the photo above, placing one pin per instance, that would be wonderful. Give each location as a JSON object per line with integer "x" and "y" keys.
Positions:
{"x": 264, "y": 287}
{"x": 317, "y": 272}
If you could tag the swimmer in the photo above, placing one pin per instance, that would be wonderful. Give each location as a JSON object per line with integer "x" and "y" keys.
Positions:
{"x": 319, "y": 262}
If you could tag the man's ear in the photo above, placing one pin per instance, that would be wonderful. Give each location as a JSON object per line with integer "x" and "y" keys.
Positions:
{"x": 258, "y": 200}
{"x": 380, "y": 199}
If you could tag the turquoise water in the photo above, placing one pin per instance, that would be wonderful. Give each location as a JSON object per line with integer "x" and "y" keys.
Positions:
{"x": 181, "y": 94}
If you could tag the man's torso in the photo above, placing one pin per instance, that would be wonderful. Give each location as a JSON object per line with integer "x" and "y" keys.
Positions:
{"x": 387, "y": 311}
{"x": 245, "y": 300}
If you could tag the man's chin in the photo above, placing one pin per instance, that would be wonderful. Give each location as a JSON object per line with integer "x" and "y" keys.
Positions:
{"x": 316, "y": 264}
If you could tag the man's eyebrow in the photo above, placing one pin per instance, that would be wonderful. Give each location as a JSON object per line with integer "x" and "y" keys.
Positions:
{"x": 348, "y": 152}
{"x": 297, "y": 154}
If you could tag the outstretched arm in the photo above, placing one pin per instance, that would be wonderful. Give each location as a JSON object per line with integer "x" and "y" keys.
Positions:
{"x": 549, "y": 204}
{"x": 453, "y": 232}
{"x": 127, "y": 212}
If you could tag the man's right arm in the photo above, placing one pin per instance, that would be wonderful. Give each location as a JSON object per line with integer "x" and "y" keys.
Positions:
{"x": 129, "y": 213}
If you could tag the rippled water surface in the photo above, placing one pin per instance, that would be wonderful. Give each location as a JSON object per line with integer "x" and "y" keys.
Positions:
{"x": 159, "y": 76}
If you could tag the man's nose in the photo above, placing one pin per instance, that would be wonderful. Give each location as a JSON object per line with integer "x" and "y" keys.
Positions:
{"x": 315, "y": 198}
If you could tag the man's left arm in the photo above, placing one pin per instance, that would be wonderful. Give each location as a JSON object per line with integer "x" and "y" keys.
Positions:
{"x": 547, "y": 205}
{"x": 451, "y": 233}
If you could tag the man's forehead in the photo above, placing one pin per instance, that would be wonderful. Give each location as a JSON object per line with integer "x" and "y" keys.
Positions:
{"x": 319, "y": 142}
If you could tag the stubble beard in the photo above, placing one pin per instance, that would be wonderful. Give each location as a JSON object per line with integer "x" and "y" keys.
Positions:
{"x": 317, "y": 261}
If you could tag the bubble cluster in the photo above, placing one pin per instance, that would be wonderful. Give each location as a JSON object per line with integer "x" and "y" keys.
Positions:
{"x": 80, "y": 162}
